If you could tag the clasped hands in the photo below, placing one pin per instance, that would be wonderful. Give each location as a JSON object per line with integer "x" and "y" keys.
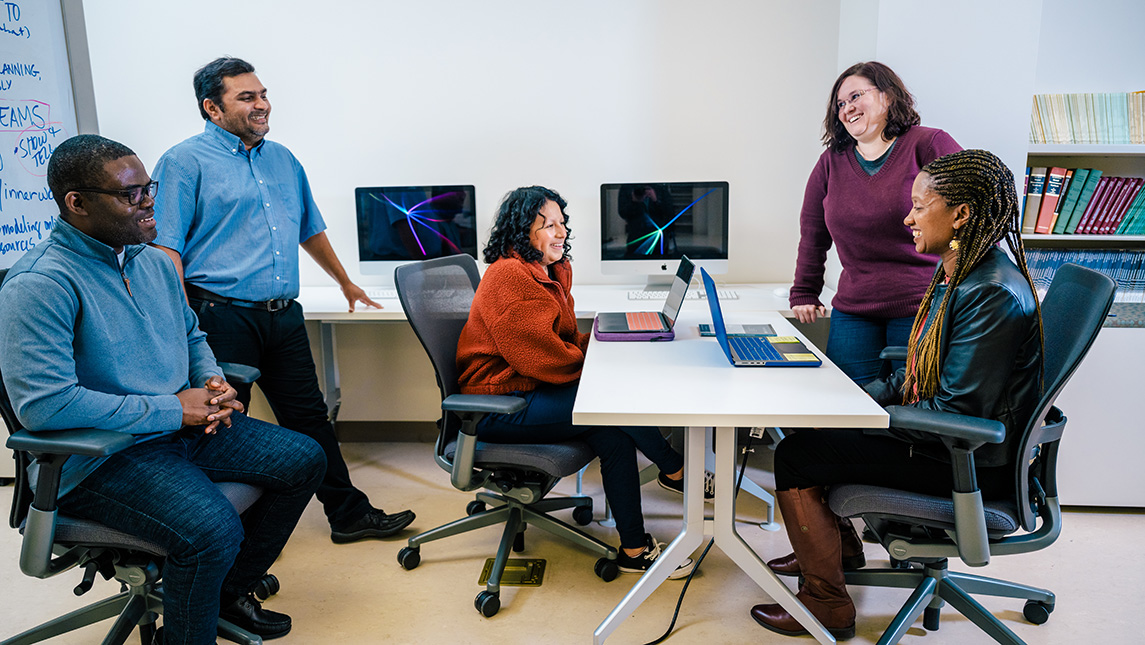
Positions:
{"x": 210, "y": 405}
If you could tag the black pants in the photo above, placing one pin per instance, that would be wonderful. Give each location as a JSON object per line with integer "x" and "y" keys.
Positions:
{"x": 824, "y": 457}
{"x": 276, "y": 343}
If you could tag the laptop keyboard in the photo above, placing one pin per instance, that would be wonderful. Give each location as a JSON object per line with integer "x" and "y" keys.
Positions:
{"x": 754, "y": 349}
{"x": 643, "y": 321}
{"x": 723, "y": 294}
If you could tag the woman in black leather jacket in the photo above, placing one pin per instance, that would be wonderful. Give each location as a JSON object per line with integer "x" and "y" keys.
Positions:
{"x": 976, "y": 349}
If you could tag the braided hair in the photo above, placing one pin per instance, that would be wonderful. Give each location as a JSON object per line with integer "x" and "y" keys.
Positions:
{"x": 980, "y": 180}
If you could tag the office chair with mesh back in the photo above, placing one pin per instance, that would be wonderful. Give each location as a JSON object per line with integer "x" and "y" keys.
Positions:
{"x": 54, "y": 543}
{"x": 436, "y": 295}
{"x": 921, "y": 532}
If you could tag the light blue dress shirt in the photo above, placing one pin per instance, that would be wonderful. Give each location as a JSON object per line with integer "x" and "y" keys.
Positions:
{"x": 235, "y": 216}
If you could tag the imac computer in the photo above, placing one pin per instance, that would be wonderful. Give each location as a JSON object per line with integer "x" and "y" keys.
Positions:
{"x": 645, "y": 228}
{"x": 401, "y": 224}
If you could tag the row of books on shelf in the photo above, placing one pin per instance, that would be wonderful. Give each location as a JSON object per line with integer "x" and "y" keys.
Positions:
{"x": 1109, "y": 118}
{"x": 1082, "y": 201}
{"x": 1127, "y": 268}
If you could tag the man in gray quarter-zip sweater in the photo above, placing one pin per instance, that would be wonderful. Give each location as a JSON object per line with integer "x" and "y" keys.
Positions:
{"x": 95, "y": 333}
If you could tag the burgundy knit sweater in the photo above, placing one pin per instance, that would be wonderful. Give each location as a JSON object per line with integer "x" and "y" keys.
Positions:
{"x": 521, "y": 330}
{"x": 883, "y": 276}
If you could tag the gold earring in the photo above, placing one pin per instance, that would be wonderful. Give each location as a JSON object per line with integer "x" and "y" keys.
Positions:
{"x": 954, "y": 244}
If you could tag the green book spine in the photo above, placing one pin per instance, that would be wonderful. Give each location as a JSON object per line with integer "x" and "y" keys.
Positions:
{"x": 1075, "y": 185}
{"x": 1083, "y": 200}
{"x": 1131, "y": 223}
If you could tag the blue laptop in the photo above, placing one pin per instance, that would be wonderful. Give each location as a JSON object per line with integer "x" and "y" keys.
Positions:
{"x": 756, "y": 350}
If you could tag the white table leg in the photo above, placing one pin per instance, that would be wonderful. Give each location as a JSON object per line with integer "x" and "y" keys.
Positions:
{"x": 331, "y": 385}
{"x": 685, "y": 543}
{"x": 733, "y": 545}
{"x": 748, "y": 486}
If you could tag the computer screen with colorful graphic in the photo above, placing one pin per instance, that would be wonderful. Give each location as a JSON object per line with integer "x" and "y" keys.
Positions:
{"x": 400, "y": 224}
{"x": 645, "y": 225}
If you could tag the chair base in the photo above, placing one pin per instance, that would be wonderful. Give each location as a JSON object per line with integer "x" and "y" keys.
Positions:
{"x": 934, "y": 586}
{"x": 516, "y": 516}
{"x": 136, "y": 606}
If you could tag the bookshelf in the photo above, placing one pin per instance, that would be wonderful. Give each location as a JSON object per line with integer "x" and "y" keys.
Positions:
{"x": 1098, "y": 399}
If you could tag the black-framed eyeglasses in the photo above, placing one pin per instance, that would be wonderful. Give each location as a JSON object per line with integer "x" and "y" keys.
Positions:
{"x": 133, "y": 194}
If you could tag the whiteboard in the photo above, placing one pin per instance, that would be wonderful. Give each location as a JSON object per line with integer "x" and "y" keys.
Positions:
{"x": 37, "y": 113}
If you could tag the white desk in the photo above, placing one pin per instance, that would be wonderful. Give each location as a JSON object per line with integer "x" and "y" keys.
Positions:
{"x": 689, "y": 382}
{"x": 327, "y": 306}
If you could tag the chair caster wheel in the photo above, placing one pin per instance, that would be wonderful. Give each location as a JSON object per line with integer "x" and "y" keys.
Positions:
{"x": 930, "y": 617}
{"x": 1037, "y": 612}
{"x": 606, "y": 569}
{"x": 266, "y": 587}
{"x": 519, "y": 542}
{"x": 582, "y": 515}
{"x": 409, "y": 557}
{"x": 487, "y": 603}
{"x": 900, "y": 564}
{"x": 475, "y": 507}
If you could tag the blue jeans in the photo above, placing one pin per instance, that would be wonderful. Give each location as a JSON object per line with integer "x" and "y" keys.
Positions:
{"x": 547, "y": 418}
{"x": 163, "y": 490}
{"x": 854, "y": 343}
{"x": 276, "y": 343}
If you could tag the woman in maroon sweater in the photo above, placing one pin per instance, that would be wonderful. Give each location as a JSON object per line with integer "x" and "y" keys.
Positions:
{"x": 521, "y": 339}
{"x": 856, "y": 198}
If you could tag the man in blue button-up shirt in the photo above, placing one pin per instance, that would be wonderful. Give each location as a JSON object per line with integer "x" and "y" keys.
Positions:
{"x": 232, "y": 210}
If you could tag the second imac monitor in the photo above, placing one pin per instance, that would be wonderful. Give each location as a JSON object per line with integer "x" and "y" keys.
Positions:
{"x": 402, "y": 224}
{"x": 645, "y": 228}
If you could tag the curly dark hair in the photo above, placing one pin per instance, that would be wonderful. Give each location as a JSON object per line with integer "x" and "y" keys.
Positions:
{"x": 515, "y": 218}
{"x": 901, "y": 115}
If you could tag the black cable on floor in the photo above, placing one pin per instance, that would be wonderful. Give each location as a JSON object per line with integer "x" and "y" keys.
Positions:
{"x": 684, "y": 590}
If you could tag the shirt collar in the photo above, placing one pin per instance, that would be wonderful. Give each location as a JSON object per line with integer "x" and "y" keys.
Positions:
{"x": 231, "y": 142}
{"x": 82, "y": 243}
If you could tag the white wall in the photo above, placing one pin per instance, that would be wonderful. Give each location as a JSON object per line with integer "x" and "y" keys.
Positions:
{"x": 500, "y": 94}
{"x": 969, "y": 65}
{"x": 1094, "y": 46}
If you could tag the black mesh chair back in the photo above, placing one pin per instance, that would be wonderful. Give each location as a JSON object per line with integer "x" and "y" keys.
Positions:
{"x": 436, "y": 295}
{"x": 1073, "y": 311}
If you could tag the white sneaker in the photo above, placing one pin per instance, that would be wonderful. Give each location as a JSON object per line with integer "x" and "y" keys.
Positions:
{"x": 641, "y": 563}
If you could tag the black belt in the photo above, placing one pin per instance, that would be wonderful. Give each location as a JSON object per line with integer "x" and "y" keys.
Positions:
{"x": 200, "y": 293}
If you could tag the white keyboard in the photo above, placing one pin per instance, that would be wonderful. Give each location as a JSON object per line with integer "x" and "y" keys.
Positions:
{"x": 382, "y": 294}
{"x": 693, "y": 294}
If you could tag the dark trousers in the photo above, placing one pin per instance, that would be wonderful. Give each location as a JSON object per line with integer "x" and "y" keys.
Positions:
{"x": 824, "y": 457}
{"x": 276, "y": 343}
{"x": 163, "y": 491}
{"x": 547, "y": 418}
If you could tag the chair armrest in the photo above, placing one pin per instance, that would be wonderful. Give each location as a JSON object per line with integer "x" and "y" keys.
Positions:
{"x": 483, "y": 403}
{"x": 238, "y": 373}
{"x": 83, "y": 441}
{"x": 893, "y": 353}
{"x": 471, "y": 408}
{"x": 974, "y": 430}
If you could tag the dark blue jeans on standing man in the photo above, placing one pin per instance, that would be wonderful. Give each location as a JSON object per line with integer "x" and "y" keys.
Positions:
{"x": 163, "y": 491}
{"x": 547, "y": 418}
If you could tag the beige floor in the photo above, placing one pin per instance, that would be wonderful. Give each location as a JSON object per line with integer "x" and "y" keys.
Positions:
{"x": 359, "y": 594}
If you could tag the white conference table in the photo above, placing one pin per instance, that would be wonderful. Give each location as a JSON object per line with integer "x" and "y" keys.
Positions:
{"x": 327, "y": 306}
{"x": 688, "y": 382}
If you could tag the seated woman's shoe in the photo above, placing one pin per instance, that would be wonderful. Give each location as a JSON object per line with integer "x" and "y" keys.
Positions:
{"x": 814, "y": 533}
{"x": 837, "y": 617}
{"x": 852, "y": 550}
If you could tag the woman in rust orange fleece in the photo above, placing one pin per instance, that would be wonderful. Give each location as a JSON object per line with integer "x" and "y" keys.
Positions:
{"x": 521, "y": 339}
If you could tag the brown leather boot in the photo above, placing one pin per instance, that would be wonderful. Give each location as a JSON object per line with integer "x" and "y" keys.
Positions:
{"x": 853, "y": 558}
{"x": 814, "y": 533}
